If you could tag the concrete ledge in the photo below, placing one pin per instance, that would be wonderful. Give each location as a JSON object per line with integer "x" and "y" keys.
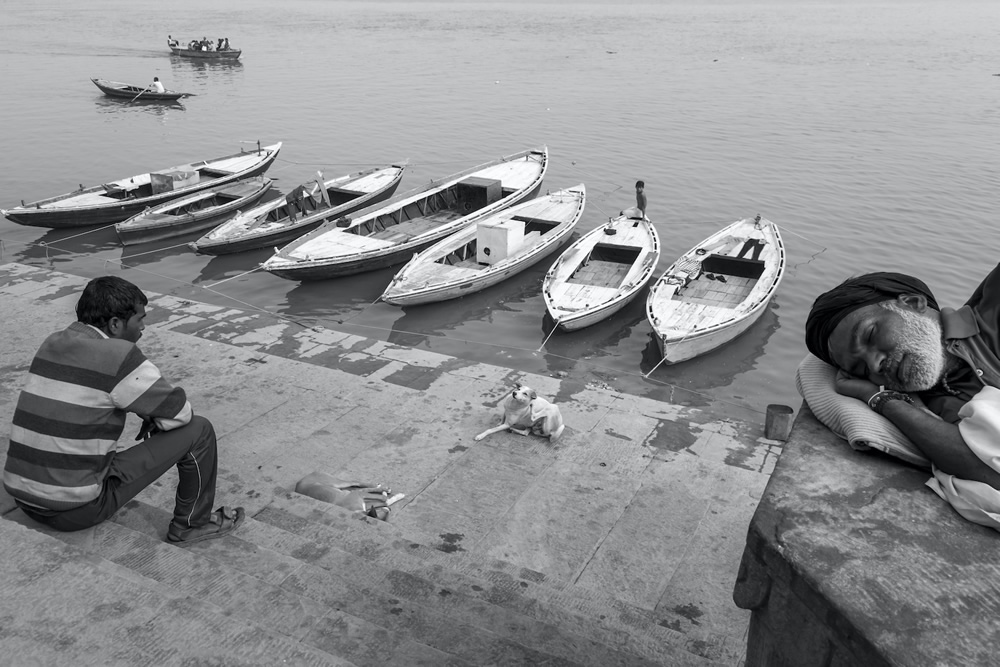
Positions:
{"x": 851, "y": 560}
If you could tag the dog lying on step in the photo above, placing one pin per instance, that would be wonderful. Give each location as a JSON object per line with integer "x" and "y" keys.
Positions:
{"x": 524, "y": 412}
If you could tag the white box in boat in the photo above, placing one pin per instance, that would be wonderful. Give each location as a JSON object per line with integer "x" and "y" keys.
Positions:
{"x": 498, "y": 241}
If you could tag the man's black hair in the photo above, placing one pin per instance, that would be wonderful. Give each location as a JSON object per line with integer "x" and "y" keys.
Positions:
{"x": 640, "y": 184}
{"x": 107, "y": 297}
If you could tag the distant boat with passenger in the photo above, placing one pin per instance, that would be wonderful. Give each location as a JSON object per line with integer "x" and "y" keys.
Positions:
{"x": 132, "y": 92}
{"x": 204, "y": 48}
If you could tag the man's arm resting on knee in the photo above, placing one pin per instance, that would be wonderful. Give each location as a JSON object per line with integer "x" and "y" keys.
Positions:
{"x": 142, "y": 390}
{"x": 941, "y": 442}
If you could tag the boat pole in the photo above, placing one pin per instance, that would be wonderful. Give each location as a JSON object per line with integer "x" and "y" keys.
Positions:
{"x": 136, "y": 97}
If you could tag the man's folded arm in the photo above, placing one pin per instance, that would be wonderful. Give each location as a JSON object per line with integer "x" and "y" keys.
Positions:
{"x": 941, "y": 442}
{"x": 142, "y": 390}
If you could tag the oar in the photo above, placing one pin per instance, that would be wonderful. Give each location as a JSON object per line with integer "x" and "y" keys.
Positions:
{"x": 136, "y": 97}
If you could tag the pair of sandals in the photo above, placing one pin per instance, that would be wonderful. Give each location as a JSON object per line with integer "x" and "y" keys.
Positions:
{"x": 716, "y": 276}
{"x": 222, "y": 522}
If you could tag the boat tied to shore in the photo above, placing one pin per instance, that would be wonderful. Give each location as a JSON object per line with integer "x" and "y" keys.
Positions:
{"x": 306, "y": 207}
{"x": 602, "y": 272}
{"x": 119, "y": 200}
{"x": 192, "y": 213}
{"x": 389, "y": 233}
{"x": 716, "y": 290}
{"x": 494, "y": 249}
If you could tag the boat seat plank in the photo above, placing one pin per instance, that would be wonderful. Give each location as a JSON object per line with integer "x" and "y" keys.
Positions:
{"x": 416, "y": 226}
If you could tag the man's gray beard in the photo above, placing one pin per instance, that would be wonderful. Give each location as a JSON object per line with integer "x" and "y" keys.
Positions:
{"x": 921, "y": 338}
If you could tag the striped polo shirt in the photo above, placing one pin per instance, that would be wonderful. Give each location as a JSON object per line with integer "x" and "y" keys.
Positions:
{"x": 72, "y": 411}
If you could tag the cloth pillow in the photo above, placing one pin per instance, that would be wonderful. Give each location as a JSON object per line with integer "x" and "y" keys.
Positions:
{"x": 850, "y": 418}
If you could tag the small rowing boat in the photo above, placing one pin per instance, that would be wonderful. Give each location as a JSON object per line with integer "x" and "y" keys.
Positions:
{"x": 602, "y": 272}
{"x": 305, "y": 208}
{"x": 494, "y": 249}
{"x": 390, "y": 233}
{"x": 716, "y": 290}
{"x": 128, "y": 91}
{"x": 119, "y": 200}
{"x": 193, "y": 213}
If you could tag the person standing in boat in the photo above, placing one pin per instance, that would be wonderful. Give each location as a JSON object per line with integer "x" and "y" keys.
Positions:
{"x": 156, "y": 86}
{"x": 640, "y": 197}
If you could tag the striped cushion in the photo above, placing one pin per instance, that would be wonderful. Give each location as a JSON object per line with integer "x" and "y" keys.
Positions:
{"x": 850, "y": 418}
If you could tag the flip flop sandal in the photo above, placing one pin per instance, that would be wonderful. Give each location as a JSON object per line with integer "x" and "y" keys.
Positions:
{"x": 225, "y": 518}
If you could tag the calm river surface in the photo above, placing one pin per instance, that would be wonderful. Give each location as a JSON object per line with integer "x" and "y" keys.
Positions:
{"x": 867, "y": 131}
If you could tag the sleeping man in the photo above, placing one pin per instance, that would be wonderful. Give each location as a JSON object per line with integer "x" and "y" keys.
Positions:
{"x": 889, "y": 338}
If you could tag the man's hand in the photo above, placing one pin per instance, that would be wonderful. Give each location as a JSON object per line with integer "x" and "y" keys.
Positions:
{"x": 148, "y": 429}
{"x": 859, "y": 388}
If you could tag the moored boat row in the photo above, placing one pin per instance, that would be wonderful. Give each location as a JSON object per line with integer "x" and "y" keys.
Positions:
{"x": 456, "y": 235}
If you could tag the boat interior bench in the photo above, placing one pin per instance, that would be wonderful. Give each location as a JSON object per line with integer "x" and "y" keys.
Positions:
{"x": 345, "y": 191}
{"x": 740, "y": 267}
{"x": 214, "y": 173}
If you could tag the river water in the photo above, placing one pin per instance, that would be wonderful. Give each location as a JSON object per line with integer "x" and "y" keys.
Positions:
{"x": 867, "y": 131}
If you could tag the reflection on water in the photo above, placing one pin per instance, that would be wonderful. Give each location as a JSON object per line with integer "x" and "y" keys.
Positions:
{"x": 725, "y": 363}
{"x": 335, "y": 301}
{"x": 115, "y": 105}
{"x": 63, "y": 245}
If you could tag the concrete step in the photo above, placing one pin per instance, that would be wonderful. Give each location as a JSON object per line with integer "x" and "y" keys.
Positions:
{"x": 435, "y": 623}
{"x": 64, "y": 605}
{"x": 255, "y": 599}
{"x": 579, "y": 610}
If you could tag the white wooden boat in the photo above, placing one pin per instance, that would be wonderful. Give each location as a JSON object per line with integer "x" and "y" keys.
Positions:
{"x": 284, "y": 219}
{"x": 119, "y": 200}
{"x": 602, "y": 272}
{"x": 192, "y": 213}
{"x": 716, "y": 290}
{"x": 389, "y": 233}
{"x": 495, "y": 248}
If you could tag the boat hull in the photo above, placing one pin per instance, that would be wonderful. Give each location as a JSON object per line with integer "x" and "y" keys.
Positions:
{"x": 564, "y": 205}
{"x": 159, "y": 223}
{"x": 59, "y": 213}
{"x": 575, "y": 303}
{"x": 126, "y": 91}
{"x": 284, "y": 235}
{"x": 231, "y": 54}
{"x": 717, "y": 290}
{"x": 674, "y": 351}
{"x": 364, "y": 254}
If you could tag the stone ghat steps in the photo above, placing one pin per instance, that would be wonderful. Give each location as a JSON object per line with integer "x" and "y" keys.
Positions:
{"x": 582, "y": 610}
{"x": 309, "y": 580}
{"x": 61, "y": 604}
{"x": 430, "y": 604}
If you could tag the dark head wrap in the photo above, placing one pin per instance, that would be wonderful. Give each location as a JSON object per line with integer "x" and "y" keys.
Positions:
{"x": 833, "y": 306}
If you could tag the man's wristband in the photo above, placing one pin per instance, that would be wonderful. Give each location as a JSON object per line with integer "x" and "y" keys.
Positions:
{"x": 878, "y": 400}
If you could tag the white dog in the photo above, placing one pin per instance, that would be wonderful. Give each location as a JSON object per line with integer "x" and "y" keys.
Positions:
{"x": 524, "y": 412}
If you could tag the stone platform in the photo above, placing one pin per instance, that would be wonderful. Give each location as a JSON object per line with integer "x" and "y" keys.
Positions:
{"x": 619, "y": 544}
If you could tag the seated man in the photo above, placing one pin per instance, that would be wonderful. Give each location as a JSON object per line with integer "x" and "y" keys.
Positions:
{"x": 63, "y": 468}
{"x": 889, "y": 338}
{"x": 156, "y": 86}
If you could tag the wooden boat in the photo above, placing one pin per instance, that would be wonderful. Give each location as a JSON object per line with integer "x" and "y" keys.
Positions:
{"x": 282, "y": 220}
{"x": 193, "y": 213}
{"x": 187, "y": 51}
{"x": 389, "y": 233}
{"x": 602, "y": 272}
{"x": 130, "y": 92}
{"x": 716, "y": 290}
{"x": 120, "y": 200}
{"x": 495, "y": 248}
